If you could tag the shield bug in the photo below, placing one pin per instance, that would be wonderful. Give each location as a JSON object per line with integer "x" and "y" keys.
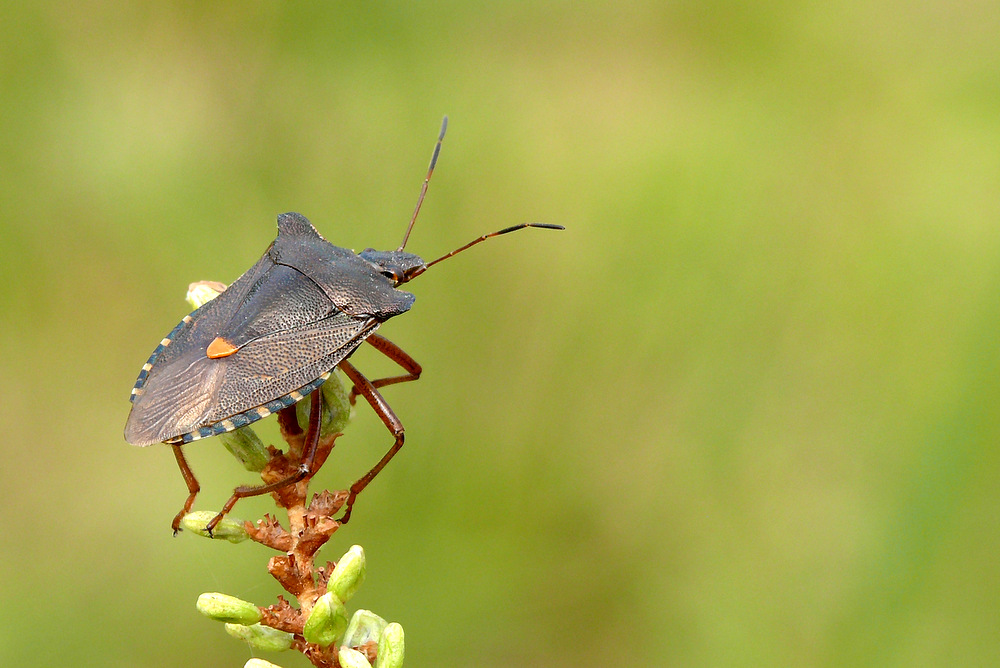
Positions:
{"x": 273, "y": 337}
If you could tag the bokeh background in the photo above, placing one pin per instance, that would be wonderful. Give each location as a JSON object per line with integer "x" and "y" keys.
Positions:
{"x": 742, "y": 412}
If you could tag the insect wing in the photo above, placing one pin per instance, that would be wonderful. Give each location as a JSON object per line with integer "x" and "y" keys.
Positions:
{"x": 170, "y": 391}
{"x": 276, "y": 370}
{"x": 189, "y": 395}
{"x": 281, "y": 299}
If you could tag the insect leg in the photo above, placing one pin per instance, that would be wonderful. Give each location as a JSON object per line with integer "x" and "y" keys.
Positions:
{"x": 397, "y": 355}
{"x": 304, "y": 470}
{"x": 192, "y": 485}
{"x": 367, "y": 389}
{"x": 288, "y": 421}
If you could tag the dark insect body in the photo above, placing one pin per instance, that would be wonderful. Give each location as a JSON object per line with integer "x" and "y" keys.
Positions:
{"x": 273, "y": 337}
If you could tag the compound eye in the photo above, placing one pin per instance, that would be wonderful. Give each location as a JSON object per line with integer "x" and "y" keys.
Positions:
{"x": 392, "y": 275}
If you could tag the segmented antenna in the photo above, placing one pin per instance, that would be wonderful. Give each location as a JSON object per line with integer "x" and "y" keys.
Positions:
{"x": 422, "y": 268}
{"x": 427, "y": 180}
{"x": 512, "y": 228}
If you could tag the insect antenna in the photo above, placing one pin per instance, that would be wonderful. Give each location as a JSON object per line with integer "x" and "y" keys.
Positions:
{"x": 421, "y": 269}
{"x": 427, "y": 180}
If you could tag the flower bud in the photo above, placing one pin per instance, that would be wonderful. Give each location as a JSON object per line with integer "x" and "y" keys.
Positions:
{"x": 390, "y": 647}
{"x": 336, "y": 407}
{"x": 352, "y": 658}
{"x": 201, "y": 292}
{"x": 229, "y": 529}
{"x": 259, "y": 663}
{"x": 365, "y": 626}
{"x": 261, "y": 637}
{"x": 348, "y": 574}
{"x": 246, "y": 446}
{"x": 225, "y": 608}
{"x": 326, "y": 622}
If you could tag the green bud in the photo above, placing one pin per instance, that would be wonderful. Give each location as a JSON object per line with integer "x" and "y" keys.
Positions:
{"x": 228, "y": 529}
{"x": 336, "y": 407}
{"x": 201, "y": 292}
{"x": 365, "y": 626}
{"x": 225, "y": 608}
{"x": 259, "y": 663}
{"x": 352, "y": 658}
{"x": 261, "y": 637}
{"x": 326, "y": 622}
{"x": 390, "y": 647}
{"x": 348, "y": 575}
{"x": 246, "y": 446}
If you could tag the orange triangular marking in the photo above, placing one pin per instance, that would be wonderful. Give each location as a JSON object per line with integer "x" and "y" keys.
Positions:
{"x": 220, "y": 348}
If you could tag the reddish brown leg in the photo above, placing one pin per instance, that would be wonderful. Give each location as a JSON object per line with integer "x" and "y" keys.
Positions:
{"x": 304, "y": 470}
{"x": 192, "y": 485}
{"x": 289, "y": 421}
{"x": 397, "y": 355}
{"x": 367, "y": 389}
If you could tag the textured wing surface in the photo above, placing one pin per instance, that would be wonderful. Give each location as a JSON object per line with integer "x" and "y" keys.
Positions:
{"x": 281, "y": 299}
{"x": 276, "y": 364}
{"x": 164, "y": 395}
{"x": 190, "y": 391}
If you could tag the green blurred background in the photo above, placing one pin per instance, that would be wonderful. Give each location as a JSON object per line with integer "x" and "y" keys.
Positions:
{"x": 741, "y": 412}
